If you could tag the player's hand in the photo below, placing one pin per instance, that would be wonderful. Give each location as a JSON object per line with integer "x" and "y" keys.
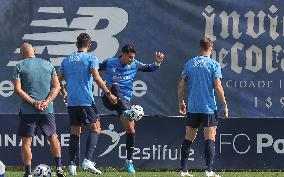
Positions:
{"x": 36, "y": 105}
{"x": 112, "y": 98}
{"x": 41, "y": 105}
{"x": 225, "y": 111}
{"x": 182, "y": 107}
{"x": 159, "y": 57}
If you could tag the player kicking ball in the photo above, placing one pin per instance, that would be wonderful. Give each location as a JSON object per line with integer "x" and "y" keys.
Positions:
{"x": 119, "y": 74}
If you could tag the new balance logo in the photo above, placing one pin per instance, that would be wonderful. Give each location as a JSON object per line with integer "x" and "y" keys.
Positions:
{"x": 61, "y": 43}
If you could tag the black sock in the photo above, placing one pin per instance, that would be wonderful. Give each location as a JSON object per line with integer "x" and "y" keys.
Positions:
{"x": 91, "y": 144}
{"x": 57, "y": 161}
{"x": 185, "y": 148}
{"x": 130, "y": 141}
{"x": 28, "y": 170}
{"x": 73, "y": 148}
{"x": 209, "y": 154}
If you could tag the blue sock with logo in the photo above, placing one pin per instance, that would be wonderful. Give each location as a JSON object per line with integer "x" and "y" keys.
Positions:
{"x": 28, "y": 170}
{"x": 91, "y": 144}
{"x": 209, "y": 154}
{"x": 73, "y": 148}
{"x": 185, "y": 148}
{"x": 130, "y": 141}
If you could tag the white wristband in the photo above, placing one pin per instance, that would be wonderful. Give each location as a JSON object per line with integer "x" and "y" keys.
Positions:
{"x": 157, "y": 64}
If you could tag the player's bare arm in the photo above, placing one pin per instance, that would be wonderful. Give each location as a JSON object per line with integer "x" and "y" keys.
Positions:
{"x": 101, "y": 84}
{"x": 55, "y": 87}
{"x": 220, "y": 93}
{"x": 24, "y": 95}
{"x": 63, "y": 91}
{"x": 159, "y": 57}
{"x": 181, "y": 94}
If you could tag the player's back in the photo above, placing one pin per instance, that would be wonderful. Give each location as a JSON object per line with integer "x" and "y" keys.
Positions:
{"x": 79, "y": 81}
{"x": 35, "y": 75}
{"x": 201, "y": 72}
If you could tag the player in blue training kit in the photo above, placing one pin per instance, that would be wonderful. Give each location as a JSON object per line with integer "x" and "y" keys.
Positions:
{"x": 119, "y": 75}
{"x": 79, "y": 70}
{"x": 36, "y": 82}
{"x": 201, "y": 77}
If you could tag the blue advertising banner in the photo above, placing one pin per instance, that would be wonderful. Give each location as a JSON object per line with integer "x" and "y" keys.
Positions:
{"x": 248, "y": 44}
{"x": 158, "y": 140}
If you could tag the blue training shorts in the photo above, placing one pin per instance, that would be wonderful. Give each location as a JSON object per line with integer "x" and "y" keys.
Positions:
{"x": 83, "y": 115}
{"x": 207, "y": 120}
{"x": 36, "y": 124}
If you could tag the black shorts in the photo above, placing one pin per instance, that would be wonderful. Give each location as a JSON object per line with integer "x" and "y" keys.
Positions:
{"x": 36, "y": 124}
{"x": 122, "y": 105}
{"x": 207, "y": 120}
{"x": 83, "y": 115}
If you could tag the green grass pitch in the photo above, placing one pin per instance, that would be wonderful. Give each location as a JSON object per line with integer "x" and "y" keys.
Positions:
{"x": 164, "y": 174}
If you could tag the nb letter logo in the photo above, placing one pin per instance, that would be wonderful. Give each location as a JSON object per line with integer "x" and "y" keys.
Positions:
{"x": 63, "y": 42}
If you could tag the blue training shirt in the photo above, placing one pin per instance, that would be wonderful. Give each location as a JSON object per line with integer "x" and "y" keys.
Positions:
{"x": 200, "y": 73}
{"x": 79, "y": 80}
{"x": 115, "y": 72}
{"x": 35, "y": 75}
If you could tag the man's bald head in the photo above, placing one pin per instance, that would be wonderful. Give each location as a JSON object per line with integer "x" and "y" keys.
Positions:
{"x": 27, "y": 50}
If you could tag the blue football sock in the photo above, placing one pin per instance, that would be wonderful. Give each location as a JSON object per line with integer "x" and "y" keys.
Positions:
{"x": 57, "y": 161}
{"x": 73, "y": 147}
{"x": 209, "y": 154}
{"x": 28, "y": 170}
{"x": 91, "y": 144}
{"x": 185, "y": 148}
{"x": 130, "y": 141}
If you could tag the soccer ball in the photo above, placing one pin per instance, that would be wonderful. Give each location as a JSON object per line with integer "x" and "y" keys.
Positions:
{"x": 42, "y": 171}
{"x": 137, "y": 112}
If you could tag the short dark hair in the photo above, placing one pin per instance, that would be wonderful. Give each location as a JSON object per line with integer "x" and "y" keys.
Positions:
{"x": 83, "y": 40}
{"x": 206, "y": 43}
{"x": 128, "y": 49}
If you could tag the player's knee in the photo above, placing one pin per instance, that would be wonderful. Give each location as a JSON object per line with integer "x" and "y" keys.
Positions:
{"x": 76, "y": 130}
{"x": 26, "y": 145}
{"x": 98, "y": 130}
{"x": 130, "y": 130}
{"x": 189, "y": 137}
{"x": 53, "y": 135}
{"x": 53, "y": 138}
{"x": 209, "y": 133}
{"x": 190, "y": 133}
{"x": 96, "y": 127}
{"x": 26, "y": 142}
